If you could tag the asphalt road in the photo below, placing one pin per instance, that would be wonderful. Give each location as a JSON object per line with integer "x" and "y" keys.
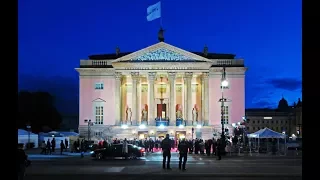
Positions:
{"x": 198, "y": 166}
{"x": 152, "y": 177}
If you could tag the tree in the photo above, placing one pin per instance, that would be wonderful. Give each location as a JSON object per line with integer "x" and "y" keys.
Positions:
{"x": 37, "y": 110}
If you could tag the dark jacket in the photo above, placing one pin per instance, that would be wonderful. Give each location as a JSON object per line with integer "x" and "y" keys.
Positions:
{"x": 166, "y": 144}
{"x": 183, "y": 148}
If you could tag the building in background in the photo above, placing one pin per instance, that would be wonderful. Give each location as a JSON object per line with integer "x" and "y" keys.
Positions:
{"x": 70, "y": 123}
{"x": 285, "y": 118}
{"x": 133, "y": 95}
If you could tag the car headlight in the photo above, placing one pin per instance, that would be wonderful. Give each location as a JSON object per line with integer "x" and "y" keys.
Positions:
{"x": 92, "y": 152}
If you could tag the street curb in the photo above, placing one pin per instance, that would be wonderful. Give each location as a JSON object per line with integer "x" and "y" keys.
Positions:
{"x": 182, "y": 174}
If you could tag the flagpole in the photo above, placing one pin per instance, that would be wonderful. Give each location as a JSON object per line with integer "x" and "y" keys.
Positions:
{"x": 161, "y": 14}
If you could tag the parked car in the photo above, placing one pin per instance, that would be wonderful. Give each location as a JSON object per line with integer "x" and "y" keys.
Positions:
{"x": 115, "y": 150}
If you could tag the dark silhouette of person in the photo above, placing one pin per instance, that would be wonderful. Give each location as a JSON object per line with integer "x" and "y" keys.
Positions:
{"x": 48, "y": 146}
{"x": 66, "y": 143}
{"x": 53, "y": 144}
{"x": 21, "y": 159}
{"x": 183, "y": 151}
{"x": 62, "y": 147}
{"x": 166, "y": 146}
{"x": 219, "y": 147}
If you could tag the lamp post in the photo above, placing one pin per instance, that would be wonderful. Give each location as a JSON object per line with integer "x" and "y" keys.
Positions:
{"x": 224, "y": 83}
{"x": 89, "y": 127}
{"x": 29, "y": 129}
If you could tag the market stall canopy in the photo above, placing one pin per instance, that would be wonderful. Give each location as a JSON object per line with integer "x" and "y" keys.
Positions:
{"x": 67, "y": 133}
{"x": 24, "y": 132}
{"x": 266, "y": 133}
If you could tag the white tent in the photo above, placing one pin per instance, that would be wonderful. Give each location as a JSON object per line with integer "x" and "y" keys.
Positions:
{"x": 25, "y": 136}
{"x": 266, "y": 133}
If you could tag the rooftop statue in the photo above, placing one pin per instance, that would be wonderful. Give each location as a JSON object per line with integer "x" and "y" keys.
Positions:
{"x": 161, "y": 35}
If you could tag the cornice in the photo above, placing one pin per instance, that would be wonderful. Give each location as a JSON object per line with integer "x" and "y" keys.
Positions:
{"x": 216, "y": 71}
{"x": 161, "y": 65}
{"x": 96, "y": 71}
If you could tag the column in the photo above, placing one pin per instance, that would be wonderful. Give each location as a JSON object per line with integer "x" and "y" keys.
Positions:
{"x": 118, "y": 76}
{"x": 134, "y": 107}
{"x": 138, "y": 104}
{"x": 188, "y": 76}
{"x": 172, "y": 80}
{"x": 185, "y": 114}
{"x": 203, "y": 101}
{"x": 151, "y": 110}
{"x": 206, "y": 97}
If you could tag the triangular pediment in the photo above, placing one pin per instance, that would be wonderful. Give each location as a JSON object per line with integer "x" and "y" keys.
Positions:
{"x": 162, "y": 52}
{"x": 98, "y": 100}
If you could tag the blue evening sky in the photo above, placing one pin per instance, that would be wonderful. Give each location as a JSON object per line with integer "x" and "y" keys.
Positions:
{"x": 55, "y": 35}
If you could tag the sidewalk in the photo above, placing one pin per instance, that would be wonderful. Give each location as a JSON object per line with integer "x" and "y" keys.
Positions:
{"x": 34, "y": 154}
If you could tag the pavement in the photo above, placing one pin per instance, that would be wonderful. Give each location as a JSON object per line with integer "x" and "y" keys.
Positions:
{"x": 153, "y": 177}
{"x": 254, "y": 167}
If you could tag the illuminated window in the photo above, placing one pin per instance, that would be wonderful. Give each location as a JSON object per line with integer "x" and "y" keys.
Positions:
{"x": 99, "y": 114}
{"x": 99, "y": 86}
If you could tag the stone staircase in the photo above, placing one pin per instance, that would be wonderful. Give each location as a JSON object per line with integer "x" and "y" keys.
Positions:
{"x": 206, "y": 133}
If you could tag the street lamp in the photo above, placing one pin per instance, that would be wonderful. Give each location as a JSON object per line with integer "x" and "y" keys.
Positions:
{"x": 224, "y": 83}
{"x": 89, "y": 127}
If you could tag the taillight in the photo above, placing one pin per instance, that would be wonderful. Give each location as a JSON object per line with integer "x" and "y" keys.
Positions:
{"x": 141, "y": 150}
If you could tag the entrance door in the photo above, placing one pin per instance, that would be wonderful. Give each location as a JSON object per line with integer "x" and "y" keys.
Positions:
{"x": 162, "y": 110}
{"x": 180, "y": 135}
{"x": 161, "y": 134}
{"x": 142, "y": 134}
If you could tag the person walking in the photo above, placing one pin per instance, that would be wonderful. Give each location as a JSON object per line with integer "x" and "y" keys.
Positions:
{"x": 166, "y": 146}
{"x": 183, "y": 154}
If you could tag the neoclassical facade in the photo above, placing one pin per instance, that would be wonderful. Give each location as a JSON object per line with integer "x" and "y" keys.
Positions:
{"x": 157, "y": 90}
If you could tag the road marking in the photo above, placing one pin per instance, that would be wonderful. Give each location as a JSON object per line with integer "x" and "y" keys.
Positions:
{"x": 114, "y": 169}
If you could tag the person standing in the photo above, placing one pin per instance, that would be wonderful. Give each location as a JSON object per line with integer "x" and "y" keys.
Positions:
{"x": 219, "y": 146}
{"x": 183, "y": 151}
{"x": 62, "y": 147}
{"x": 166, "y": 146}
{"x": 125, "y": 148}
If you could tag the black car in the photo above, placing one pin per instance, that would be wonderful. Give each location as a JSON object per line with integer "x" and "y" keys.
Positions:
{"x": 115, "y": 150}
